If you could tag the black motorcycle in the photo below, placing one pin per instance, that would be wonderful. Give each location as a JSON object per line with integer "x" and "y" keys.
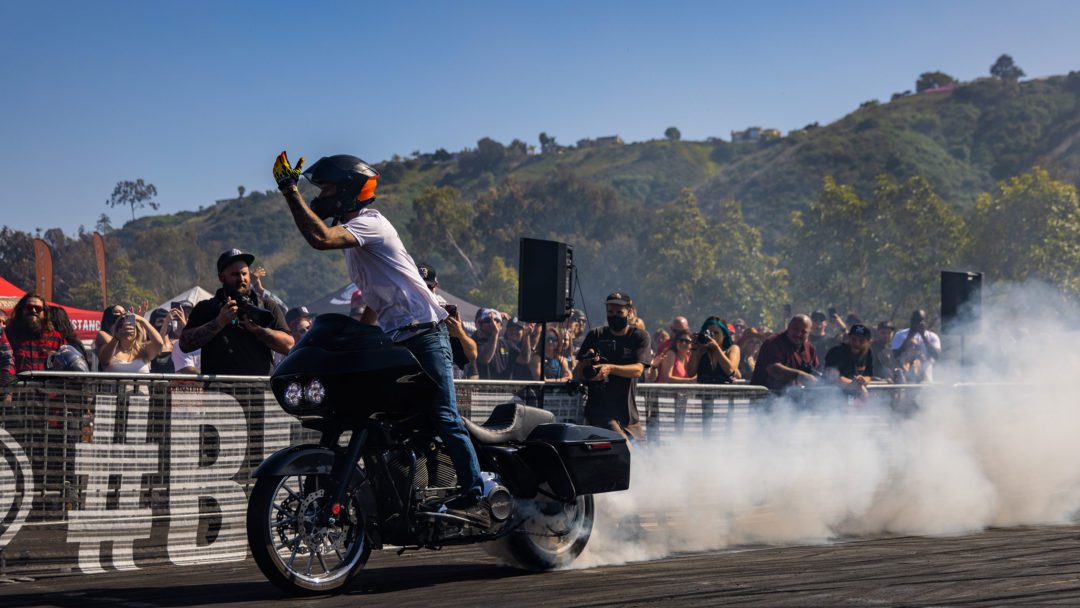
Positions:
{"x": 379, "y": 475}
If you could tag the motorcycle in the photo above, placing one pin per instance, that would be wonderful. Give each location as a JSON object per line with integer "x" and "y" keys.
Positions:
{"x": 379, "y": 475}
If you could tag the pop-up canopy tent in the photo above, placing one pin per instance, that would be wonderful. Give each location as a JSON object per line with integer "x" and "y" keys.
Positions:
{"x": 339, "y": 302}
{"x": 86, "y": 322}
{"x": 194, "y": 295}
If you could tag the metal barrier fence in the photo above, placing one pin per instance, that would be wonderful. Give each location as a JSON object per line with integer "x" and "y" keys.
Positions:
{"x": 111, "y": 472}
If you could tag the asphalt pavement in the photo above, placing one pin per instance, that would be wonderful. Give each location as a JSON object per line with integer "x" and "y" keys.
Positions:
{"x": 1016, "y": 566}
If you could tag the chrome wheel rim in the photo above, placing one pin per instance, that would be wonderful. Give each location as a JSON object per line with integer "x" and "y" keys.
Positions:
{"x": 555, "y": 526}
{"x": 304, "y": 544}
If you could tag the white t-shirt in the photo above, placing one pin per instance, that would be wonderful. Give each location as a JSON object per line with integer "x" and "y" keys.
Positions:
{"x": 919, "y": 349}
{"x": 180, "y": 359}
{"x": 387, "y": 276}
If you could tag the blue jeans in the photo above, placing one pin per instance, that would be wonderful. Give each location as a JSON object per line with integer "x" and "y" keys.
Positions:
{"x": 432, "y": 350}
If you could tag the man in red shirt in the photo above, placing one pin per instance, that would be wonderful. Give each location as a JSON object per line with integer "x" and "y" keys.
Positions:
{"x": 7, "y": 362}
{"x": 787, "y": 358}
{"x": 31, "y": 335}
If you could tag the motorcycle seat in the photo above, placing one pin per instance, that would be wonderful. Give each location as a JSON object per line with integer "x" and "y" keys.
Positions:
{"x": 508, "y": 422}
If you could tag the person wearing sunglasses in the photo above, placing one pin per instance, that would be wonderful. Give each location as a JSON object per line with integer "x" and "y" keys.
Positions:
{"x": 675, "y": 359}
{"x": 556, "y": 367}
{"x": 31, "y": 334}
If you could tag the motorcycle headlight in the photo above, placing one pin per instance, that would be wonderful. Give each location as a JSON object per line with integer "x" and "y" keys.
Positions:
{"x": 293, "y": 394}
{"x": 315, "y": 392}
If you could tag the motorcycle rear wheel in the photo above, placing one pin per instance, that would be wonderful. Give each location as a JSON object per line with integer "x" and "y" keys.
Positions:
{"x": 293, "y": 549}
{"x": 552, "y": 535}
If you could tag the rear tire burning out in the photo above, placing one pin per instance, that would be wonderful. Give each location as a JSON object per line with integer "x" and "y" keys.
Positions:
{"x": 552, "y": 534}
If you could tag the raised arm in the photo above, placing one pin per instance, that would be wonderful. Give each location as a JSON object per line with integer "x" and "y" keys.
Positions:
{"x": 315, "y": 232}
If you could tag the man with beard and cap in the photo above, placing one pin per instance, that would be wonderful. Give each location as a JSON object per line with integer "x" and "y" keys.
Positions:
{"x": 851, "y": 365}
{"x": 31, "y": 334}
{"x": 237, "y": 331}
{"x": 610, "y": 361}
{"x": 393, "y": 292}
{"x": 787, "y": 358}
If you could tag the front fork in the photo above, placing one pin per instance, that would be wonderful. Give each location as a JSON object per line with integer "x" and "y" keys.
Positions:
{"x": 343, "y": 471}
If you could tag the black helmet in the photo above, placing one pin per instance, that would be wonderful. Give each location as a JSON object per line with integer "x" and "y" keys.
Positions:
{"x": 355, "y": 181}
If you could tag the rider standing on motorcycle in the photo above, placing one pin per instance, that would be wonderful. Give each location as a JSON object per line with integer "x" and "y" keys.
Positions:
{"x": 392, "y": 288}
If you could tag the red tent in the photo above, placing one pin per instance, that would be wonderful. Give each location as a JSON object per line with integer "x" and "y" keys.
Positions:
{"x": 86, "y": 322}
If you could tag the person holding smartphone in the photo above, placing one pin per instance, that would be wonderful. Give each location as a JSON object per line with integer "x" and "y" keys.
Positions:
{"x": 462, "y": 347}
{"x": 610, "y": 361}
{"x": 133, "y": 345}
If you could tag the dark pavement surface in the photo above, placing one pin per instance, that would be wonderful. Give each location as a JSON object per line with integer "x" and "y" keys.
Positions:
{"x": 1017, "y": 566}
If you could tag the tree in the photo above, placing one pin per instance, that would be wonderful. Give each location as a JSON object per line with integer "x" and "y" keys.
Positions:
{"x": 442, "y": 225}
{"x": 1006, "y": 70}
{"x": 135, "y": 194}
{"x": 698, "y": 267}
{"x": 392, "y": 172}
{"x": 827, "y": 250}
{"x": 916, "y": 234}
{"x": 930, "y": 80}
{"x": 240, "y": 190}
{"x": 672, "y": 134}
{"x": 488, "y": 156}
{"x": 441, "y": 156}
{"x": 682, "y": 252}
{"x": 1029, "y": 229}
{"x": 499, "y": 289}
{"x": 103, "y": 224}
{"x": 547, "y": 144}
{"x": 17, "y": 257}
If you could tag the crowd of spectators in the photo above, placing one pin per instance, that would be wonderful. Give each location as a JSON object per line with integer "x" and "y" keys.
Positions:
{"x": 246, "y": 330}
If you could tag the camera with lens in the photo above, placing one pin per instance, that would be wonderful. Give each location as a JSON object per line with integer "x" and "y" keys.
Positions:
{"x": 592, "y": 360}
{"x": 254, "y": 314}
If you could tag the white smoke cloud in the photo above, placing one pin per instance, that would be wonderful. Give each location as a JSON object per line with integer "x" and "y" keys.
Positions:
{"x": 1000, "y": 448}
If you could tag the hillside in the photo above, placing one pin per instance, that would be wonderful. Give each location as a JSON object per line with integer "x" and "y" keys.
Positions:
{"x": 607, "y": 201}
{"x": 962, "y": 142}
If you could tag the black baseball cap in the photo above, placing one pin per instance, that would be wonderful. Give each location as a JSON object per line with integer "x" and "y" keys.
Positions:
{"x": 619, "y": 298}
{"x": 231, "y": 256}
{"x": 860, "y": 330}
{"x": 428, "y": 274}
{"x": 817, "y": 315}
{"x": 299, "y": 312}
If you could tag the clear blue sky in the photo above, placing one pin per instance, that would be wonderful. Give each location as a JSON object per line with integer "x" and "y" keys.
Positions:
{"x": 198, "y": 97}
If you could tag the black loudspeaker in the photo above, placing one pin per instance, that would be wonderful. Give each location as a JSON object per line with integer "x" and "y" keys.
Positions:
{"x": 545, "y": 281}
{"x": 961, "y": 301}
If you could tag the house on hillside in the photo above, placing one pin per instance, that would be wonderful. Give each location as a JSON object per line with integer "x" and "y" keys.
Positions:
{"x": 753, "y": 135}
{"x": 945, "y": 88}
{"x": 601, "y": 142}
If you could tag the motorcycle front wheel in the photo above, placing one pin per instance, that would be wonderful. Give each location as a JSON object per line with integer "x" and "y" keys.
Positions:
{"x": 294, "y": 544}
{"x": 551, "y": 534}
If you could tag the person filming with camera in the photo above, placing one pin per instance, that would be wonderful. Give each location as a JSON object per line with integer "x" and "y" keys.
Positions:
{"x": 610, "y": 361}
{"x": 237, "y": 331}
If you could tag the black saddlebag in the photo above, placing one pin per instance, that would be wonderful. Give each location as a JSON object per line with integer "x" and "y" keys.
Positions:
{"x": 594, "y": 460}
